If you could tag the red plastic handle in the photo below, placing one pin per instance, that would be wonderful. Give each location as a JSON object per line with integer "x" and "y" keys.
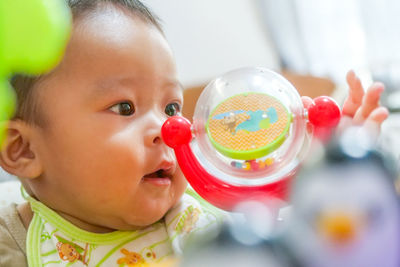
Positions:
{"x": 176, "y": 133}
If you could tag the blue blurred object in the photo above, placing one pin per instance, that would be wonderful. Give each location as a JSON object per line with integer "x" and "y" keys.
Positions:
{"x": 345, "y": 208}
{"x": 250, "y": 237}
{"x": 226, "y": 250}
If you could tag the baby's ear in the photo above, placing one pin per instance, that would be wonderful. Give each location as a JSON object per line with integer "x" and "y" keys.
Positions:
{"x": 17, "y": 156}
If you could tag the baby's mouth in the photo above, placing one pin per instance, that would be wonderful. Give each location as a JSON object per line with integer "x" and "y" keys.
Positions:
{"x": 161, "y": 177}
{"x": 161, "y": 173}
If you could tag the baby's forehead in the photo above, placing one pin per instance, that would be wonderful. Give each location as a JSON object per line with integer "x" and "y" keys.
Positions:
{"x": 111, "y": 25}
{"x": 110, "y": 48}
{"x": 106, "y": 84}
{"x": 109, "y": 36}
{"x": 111, "y": 14}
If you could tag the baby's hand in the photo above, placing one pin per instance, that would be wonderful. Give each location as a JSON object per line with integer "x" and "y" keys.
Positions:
{"x": 360, "y": 107}
{"x": 363, "y": 107}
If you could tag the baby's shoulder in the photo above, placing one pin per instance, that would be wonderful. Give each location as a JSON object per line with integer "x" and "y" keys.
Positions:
{"x": 12, "y": 238}
{"x": 8, "y": 215}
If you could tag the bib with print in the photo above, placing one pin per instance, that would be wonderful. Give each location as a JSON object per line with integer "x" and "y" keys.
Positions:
{"x": 53, "y": 241}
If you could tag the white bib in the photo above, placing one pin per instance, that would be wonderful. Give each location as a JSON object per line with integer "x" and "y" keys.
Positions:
{"x": 53, "y": 241}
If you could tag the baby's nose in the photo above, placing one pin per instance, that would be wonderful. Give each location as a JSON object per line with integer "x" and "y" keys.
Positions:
{"x": 152, "y": 134}
{"x": 157, "y": 140}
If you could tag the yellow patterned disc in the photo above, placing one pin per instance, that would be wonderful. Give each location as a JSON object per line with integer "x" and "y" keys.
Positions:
{"x": 248, "y": 126}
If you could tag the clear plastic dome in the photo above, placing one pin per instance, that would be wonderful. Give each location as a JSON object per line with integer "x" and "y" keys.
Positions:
{"x": 250, "y": 127}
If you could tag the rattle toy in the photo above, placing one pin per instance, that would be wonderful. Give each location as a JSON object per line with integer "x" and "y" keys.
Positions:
{"x": 250, "y": 135}
{"x": 33, "y": 35}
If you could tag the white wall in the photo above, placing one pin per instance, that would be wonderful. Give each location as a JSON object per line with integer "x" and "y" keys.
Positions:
{"x": 210, "y": 37}
{"x": 4, "y": 176}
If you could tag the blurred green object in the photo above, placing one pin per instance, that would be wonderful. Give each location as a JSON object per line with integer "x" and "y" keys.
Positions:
{"x": 7, "y": 100}
{"x": 33, "y": 36}
{"x": 7, "y": 104}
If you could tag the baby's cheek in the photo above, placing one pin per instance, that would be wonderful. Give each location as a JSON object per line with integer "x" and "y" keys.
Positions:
{"x": 181, "y": 185}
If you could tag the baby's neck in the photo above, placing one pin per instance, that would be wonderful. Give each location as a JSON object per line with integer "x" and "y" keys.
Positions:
{"x": 26, "y": 214}
{"x": 84, "y": 225}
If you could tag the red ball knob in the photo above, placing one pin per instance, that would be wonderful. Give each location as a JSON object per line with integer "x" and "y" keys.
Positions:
{"x": 324, "y": 112}
{"x": 176, "y": 131}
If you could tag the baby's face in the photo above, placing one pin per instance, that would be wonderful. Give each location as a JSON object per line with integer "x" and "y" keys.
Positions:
{"x": 103, "y": 157}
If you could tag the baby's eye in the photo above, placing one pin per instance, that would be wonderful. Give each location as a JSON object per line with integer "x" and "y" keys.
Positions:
{"x": 172, "y": 109}
{"x": 123, "y": 108}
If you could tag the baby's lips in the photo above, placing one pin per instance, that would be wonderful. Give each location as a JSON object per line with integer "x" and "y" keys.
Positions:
{"x": 168, "y": 166}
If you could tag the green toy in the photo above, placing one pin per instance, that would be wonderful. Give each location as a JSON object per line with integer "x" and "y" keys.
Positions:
{"x": 33, "y": 36}
{"x": 7, "y": 102}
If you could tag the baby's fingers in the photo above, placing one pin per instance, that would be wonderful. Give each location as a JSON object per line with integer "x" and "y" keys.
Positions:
{"x": 307, "y": 101}
{"x": 356, "y": 93}
{"x": 370, "y": 102}
{"x": 377, "y": 116}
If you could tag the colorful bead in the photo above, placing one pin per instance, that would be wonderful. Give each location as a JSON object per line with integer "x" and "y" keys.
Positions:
{"x": 269, "y": 161}
{"x": 254, "y": 165}
{"x": 246, "y": 166}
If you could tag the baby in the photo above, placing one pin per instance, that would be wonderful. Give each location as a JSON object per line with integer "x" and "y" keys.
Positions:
{"x": 102, "y": 188}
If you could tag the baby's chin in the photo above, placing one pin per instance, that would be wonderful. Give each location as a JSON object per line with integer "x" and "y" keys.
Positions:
{"x": 149, "y": 213}
{"x": 140, "y": 222}
{"x": 131, "y": 225}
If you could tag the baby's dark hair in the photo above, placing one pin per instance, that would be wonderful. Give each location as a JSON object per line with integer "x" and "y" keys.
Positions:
{"x": 27, "y": 106}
